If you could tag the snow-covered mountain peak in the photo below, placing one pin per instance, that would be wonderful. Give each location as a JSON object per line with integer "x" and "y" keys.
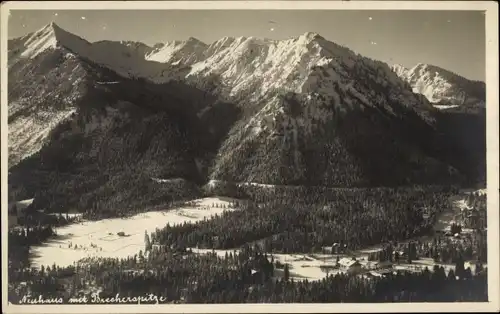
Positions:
{"x": 433, "y": 70}
{"x": 49, "y": 37}
{"x": 442, "y": 86}
{"x": 276, "y": 64}
{"x": 127, "y": 58}
{"x": 323, "y": 75}
{"x": 310, "y": 36}
{"x": 176, "y": 52}
{"x": 193, "y": 40}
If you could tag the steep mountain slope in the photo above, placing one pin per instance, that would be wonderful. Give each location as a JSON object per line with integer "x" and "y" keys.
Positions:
{"x": 317, "y": 113}
{"x": 465, "y": 132}
{"x": 442, "y": 87}
{"x": 42, "y": 93}
{"x": 462, "y": 118}
{"x": 110, "y": 136}
{"x": 51, "y": 57}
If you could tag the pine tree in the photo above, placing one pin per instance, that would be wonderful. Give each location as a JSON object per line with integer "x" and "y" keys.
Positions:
{"x": 451, "y": 275}
{"x": 147, "y": 242}
{"x": 409, "y": 254}
{"x": 286, "y": 272}
{"x": 459, "y": 266}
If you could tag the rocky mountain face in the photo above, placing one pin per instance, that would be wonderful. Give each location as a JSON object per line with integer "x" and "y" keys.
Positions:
{"x": 443, "y": 88}
{"x": 316, "y": 111}
{"x": 91, "y": 124}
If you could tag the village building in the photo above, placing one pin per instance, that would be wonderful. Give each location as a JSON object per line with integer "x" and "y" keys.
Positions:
{"x": 336, "y": 248}
{"x": 350, "y": 265}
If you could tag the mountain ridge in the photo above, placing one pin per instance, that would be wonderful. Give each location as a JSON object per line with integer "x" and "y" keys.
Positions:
{"x": 127, "y": 60}
{"x": 302, "y": 111}
{"x": 442, "y": 87}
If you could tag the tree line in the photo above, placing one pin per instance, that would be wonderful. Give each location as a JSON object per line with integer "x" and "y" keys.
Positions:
{"x": 249, "y": 276}
{"x": 288, "y": 223}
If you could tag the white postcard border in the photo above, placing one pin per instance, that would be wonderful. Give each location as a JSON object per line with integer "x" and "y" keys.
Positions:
{"x": 491, "y": 9}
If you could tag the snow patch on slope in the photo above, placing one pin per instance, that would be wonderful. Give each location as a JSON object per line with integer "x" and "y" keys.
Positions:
{"x": 27, "y": 135}
{"x": 444, "y": 107}
{"x": 40, "y": 41}
{"x": 319, "y": 72}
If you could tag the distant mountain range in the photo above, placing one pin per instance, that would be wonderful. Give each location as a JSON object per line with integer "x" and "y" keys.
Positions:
{"x": 91, "y": 124}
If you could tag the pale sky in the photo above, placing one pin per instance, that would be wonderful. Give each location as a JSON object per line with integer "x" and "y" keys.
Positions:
{"x": 454, "y": 40}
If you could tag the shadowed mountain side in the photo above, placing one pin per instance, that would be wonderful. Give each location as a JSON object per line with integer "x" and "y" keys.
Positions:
{"x": 465, "y": 149}
{"x": 369, "y": 145}
{"x": 120, "y": 137}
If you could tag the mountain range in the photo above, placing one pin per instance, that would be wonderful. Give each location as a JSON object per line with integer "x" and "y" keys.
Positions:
{"x": 106, "y": 125}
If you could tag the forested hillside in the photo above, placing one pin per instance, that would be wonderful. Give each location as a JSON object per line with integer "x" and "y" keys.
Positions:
{"x": 120, "y": 136}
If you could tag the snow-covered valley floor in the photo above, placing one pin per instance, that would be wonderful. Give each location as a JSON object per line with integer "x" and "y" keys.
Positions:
{"x": 100, "y": 238}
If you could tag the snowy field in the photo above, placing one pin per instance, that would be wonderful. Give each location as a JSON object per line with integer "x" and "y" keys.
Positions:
{"x": 100, "y": 239}
{"x": 302, "y": 266}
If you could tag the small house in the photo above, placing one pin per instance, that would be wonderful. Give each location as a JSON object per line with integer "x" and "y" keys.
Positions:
{"x": 350, "y": 265}
{"x": 336, "y": 248}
